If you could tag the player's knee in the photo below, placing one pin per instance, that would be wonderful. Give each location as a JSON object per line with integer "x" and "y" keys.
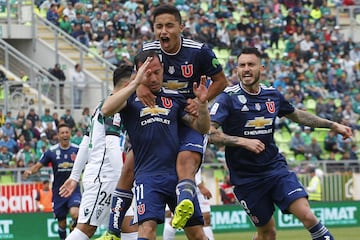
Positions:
{"x": 308, "y": 219}
{"x": 87, "y": 229}
{"x": 267, "y": 233}
{"x": 195, "y": 233}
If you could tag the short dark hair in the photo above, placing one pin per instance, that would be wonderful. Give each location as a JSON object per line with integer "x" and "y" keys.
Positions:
{"x": 64, "y": 125}
{"x": 167, "y": 9}
{"x": 142, "y": 56}
{"x": 251, "y": 50}
{"x": 123, "y": 71}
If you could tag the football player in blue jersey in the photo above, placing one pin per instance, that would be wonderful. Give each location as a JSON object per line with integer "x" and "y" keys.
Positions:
{"x": 246, "y": 112}
{"x": 154, "y": 136}
{"x": 185, "y": 61}
{"x": 62, "y": 157}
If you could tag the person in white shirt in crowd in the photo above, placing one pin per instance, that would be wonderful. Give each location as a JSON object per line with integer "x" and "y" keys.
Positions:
{"x": 78, "y": 81}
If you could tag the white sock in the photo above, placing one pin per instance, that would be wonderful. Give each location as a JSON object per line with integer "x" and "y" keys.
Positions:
{"x": 169, "y": 231}
{"x": 76, "y": 234}
{"x": 209, "y": 232}
{"x": 129, "y": 236}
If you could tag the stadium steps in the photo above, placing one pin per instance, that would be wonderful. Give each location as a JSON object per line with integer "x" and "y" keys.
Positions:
{"x": 65, "y": 47}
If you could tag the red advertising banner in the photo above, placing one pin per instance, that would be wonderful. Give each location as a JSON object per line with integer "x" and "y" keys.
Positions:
{"x": 18, "y": 198}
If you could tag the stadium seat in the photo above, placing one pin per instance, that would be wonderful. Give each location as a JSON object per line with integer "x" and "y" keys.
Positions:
{"x": 320, "y": 134}
{"x": 204, "y": 6}
{"x": 219, "y": 174}
{"x": 310, "y": 104}
{"x": 7, "y": 179}
{"x": 337, "y": 102}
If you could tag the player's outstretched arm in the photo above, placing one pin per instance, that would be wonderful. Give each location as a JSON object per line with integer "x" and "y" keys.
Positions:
{"x": 117, "y": 101}
{"x": 201, "y": 123}
{"x": 68, "y": 188}
{"x": 219, "y": 138}
{"x": 33, "y": 169}
{"x": 311, "y": 120}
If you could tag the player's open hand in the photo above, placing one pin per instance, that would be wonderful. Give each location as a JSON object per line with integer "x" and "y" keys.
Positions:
{"x": 67, "y": 188}
{"x": 201, "y": 91}
{"x": 143, "y": 92}
{"x": 254, "y": 145}
{"x": 345, "y": 131}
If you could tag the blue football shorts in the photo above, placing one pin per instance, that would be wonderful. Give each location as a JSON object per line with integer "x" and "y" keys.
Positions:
{"x": 258, "y": 197}
{"x": 154, "y": 192}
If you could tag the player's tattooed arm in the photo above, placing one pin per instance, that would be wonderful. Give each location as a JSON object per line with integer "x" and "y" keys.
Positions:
{"x": 200, "y": 123}
{"x": 219, "y": 138}
{"x": 308, "y": 119}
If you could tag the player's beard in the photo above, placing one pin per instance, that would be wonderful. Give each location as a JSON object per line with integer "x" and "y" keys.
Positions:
{"x": 251, "y": 86}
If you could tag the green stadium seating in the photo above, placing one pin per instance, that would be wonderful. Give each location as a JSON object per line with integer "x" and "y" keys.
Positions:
{"x": 310, "y": 104}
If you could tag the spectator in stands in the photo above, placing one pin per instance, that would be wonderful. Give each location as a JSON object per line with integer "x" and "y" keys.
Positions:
{"x": 28, "y": 132}
{"x": 52, "y": 14}
{"x": 55, "y": 116}
{"x": 226, "y": 191}
{"x": 38, "y": 129}
{"x": 33, "y": 117}
{"x": 7, "y": 159}
{"x": 8, "y": 129}
{"x": 354, "y": 152}
{"x": 59, "y": 74}
{"x": 307, "y": 135}
{"x": 110, "y": 55}
{"x": 79, "y": 34}
{"x": 332, "y": 145}
{"x": 10, "y": 143}
{"x": 26, "y": 154}
{"x": 77, "y": 137}
{"x": 46, "y": 118}
{"x": 85, "y": 118}
{"x": 44, "y": 198}
{"x": 313, "y": 150}
{"x": 325, "y": 109}
{"x": 78, "y": 81}
{"x": 50, "y": 133}
{"x": 297, "y": 143}
{"x": 68, "y": 119}
{"x": 69, "y": 11}
{"x": 43, "y": 142}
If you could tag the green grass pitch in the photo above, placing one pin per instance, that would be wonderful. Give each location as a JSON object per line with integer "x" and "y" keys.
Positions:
{"x": 351, "y": 233}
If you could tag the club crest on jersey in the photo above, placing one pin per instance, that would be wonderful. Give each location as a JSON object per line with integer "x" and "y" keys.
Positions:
{"x": 257, "y": 106}
{"x": 154, "y": 111}
{"x": 73, "y": 156}
{"x": 141, "y": 209}
{"x": 242, "y": 99}
{"x": 171, "y": 70}
{"x": 187, "y": 70}
{"x": 270, "y": 106}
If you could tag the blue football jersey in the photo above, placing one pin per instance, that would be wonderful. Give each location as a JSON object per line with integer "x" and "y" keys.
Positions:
{"x": 153, "y": 132}
{"x": 185, "y": 67}
{"x": 251, "y": 116}
{"x": 62, "y": 161}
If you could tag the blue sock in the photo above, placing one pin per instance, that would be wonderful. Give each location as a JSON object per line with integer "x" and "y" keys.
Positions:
{"x": 142, "y": 239}
{"x": 186, "y": 189}
{"x": 319, "y": 232}
{"x": 121, "y": 201}
{"x": 62, "y": 233}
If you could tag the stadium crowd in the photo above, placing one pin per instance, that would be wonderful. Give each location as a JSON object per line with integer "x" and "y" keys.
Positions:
{"x": 306, "y": 57}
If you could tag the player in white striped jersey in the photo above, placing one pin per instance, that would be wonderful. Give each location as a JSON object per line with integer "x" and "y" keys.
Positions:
{"x": 102, "y": 151}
